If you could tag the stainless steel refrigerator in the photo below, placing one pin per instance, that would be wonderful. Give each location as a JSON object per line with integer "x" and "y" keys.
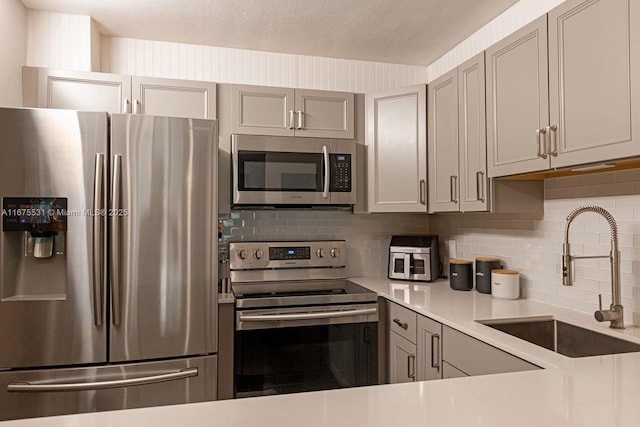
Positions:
{"x": 108, "y": 290}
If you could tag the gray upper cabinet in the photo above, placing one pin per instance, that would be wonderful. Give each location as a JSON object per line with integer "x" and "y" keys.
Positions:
{"x": 517, "y": 100}
{"x": 396, "y": 140}
{"x": 573, "y": 103}
{"x": 457, "y": 140}
{"x": 174, "y": 98}
{"x": 593, "y": 95}
{"x": 443, "y": 143}
{"x": 259, "y": 110}
{"x": 75, "y": 90}
{"x": 116, "y": 93}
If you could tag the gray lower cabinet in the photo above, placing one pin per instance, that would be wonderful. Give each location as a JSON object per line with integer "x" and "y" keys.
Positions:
{"x": 414, "y": 346}
{"x": 402, "y": 359}
{"x": 259, "y": 110}
{"x": 117, "y": 93}
{"x": 567, "y": 95}
{"x": 396, "y": 139}
{"x": 470, "y": 356}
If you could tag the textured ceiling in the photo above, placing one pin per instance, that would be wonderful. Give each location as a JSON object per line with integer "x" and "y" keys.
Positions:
{"x": 398, "y": 31}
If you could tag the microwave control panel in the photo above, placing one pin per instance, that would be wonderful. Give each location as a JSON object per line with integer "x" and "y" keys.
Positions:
{"x": 340, "y": 179}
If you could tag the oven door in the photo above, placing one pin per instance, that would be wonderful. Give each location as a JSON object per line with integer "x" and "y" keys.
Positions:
{"x": 313, "y": 348}
{"x": 280, "y": 170}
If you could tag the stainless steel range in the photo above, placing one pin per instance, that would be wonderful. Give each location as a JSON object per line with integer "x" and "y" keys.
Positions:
{"x": 300, "y": 325}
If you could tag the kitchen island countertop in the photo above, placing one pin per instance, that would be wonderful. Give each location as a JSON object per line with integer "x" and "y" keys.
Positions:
{"x": 593, "y": 391}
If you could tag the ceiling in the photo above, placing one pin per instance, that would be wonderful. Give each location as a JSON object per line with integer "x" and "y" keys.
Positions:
{"x": 398, "y": 31}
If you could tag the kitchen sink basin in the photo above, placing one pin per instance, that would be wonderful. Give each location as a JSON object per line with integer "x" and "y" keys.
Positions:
{"x": 563, "y": 338}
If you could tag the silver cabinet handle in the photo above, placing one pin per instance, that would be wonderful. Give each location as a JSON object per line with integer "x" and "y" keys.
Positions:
{"x": 453, "y": 183}
{"x": 126, "y": 106}
{"x": 300, "y": 123}
{"x": 305, "y": 316}
{"x": 115, "y": 239}
{"x": 411, "y": 366}
{"x": 435, "y": 359}
{"x": 136, "y": 106}
{"x": 403, "y": 325}
{"x": 98, "y": 240}
{"x": 540, "y": 136}
{"x": 100, "y": 385}
{"x": 480, "y": 183}
{"x": 325, "y": 185}
{"x": 551, "y": 131}
{"x": 423, "y": 192}
{"x": 291, "y": 113}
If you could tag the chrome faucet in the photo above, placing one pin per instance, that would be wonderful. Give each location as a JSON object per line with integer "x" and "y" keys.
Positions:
{"x": 615, "y": 312}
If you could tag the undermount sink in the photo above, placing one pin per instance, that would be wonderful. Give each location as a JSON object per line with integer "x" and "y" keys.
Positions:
{"x": 562, "y": 337}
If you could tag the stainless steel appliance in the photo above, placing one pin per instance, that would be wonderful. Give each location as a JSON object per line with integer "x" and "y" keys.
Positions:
{"x": 414, "y": 258}
{"x": 107, "y": 281}
{"x": 300, "y": 326}
{"x": 292, "y": 171}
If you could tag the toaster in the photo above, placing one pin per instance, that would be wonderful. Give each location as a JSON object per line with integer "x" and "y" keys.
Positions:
{"x": 414, "y": 257}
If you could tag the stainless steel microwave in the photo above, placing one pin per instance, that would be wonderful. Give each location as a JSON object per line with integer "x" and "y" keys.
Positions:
{"x": 292, "y": 171}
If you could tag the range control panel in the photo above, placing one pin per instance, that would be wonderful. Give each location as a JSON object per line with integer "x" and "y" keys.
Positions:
{"x": 282, "y": 255}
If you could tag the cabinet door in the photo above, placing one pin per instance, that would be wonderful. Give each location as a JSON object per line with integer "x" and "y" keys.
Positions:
{"x": 174, "y": 98}
{"x": 429, "y": 349}
{"x": 449, "y": 371}
{"x": 402, "y": 359}
{"x": 475, "y": 357}
{"x": 397, "y": 150}
{"x": 517, "y": 100}
{"x": 472, "y": 137}
{"x": 76, "y": 90}
{"x": 590, "y": 82}
{"x": 258, "y": 110}
{"x": 324, "y": 114}
{"x": 443, "y": 143}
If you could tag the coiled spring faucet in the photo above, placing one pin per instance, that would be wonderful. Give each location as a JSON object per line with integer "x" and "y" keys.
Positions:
{"x": 615, "y": 312}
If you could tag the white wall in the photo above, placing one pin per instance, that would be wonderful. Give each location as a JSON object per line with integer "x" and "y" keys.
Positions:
{"x": 13, "y": 50}
{"x": 504, "y": 24}
{"x": 60, "y": 40}
{"x": 224, "y": 65}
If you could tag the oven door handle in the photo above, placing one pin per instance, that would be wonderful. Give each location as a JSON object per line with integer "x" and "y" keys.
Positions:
{"x": 305, "y": 316}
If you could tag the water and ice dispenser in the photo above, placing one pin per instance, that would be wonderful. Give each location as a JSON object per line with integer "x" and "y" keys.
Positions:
{"x": 42, "y": 221}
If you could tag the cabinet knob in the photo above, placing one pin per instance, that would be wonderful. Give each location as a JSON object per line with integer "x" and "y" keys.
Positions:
{"x": 335, "y": 252}
{"x": 258, "y": 254}
{"x": 320, "y": 253}
{"x": 242, "y": 254}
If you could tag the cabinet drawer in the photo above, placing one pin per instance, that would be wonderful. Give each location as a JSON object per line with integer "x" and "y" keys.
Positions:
{"x": 475, "y": 357}
{"x": 402, "y": 321}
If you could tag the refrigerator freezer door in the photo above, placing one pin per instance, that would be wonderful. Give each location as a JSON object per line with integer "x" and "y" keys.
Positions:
{"x": 52, "y": 302}
{"x": 163, "y": 246}
{"x": 25, "y": 394}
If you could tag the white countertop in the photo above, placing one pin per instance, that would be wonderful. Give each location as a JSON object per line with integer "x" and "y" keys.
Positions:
{"x": 593, "y": 391}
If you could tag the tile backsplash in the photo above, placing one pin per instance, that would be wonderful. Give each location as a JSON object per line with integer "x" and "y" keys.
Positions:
{"x": 367, "y": 236}
{"x": 529, "y": 243}
{"x": 533, "y": 245}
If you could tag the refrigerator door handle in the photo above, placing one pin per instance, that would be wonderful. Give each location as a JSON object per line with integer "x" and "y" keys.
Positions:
{"x": 98, "y": 240}
{"x": 115, "y": 238}
{"x": 100, "y": 385}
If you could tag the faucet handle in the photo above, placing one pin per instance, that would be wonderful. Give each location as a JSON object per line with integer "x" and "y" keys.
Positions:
{"x": 600, "y": 301}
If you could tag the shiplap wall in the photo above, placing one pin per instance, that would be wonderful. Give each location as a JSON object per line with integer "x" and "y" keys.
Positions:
{"x": 515, "y": 17}
{"x": 59, "y": 40}
{"x": 225, "y": 65}
{"x": 13, "y": 50}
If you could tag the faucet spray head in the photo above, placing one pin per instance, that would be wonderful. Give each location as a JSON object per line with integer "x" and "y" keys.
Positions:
{"x": 567, "y": 276}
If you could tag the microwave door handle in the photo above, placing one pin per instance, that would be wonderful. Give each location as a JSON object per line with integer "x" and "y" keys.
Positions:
{"x": 325, "y": 185}
{"x": 407, "y": 265}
